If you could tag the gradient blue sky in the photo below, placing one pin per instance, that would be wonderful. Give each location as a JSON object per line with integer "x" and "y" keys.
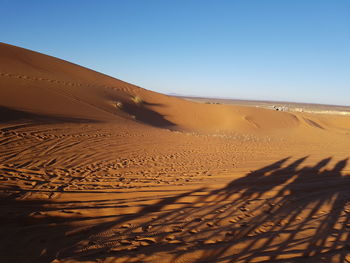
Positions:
{"x": 291, "y": 50}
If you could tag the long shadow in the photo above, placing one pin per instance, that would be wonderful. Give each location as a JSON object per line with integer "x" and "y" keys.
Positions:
{"x": 141, "y": 111}
{"x": 284, "y": 212}
{"x": 9, "y": 115}
{"x": 147, "y": 116}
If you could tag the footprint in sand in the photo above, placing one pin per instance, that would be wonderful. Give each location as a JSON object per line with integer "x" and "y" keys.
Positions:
{"x": 193, "y": 231}
{"x": 210, "y": 224}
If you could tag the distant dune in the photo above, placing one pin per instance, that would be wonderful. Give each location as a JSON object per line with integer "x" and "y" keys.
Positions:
{"x": 94, "y": 169}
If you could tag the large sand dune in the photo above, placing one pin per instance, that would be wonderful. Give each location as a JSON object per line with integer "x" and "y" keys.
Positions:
{"x": 94, "y": 169}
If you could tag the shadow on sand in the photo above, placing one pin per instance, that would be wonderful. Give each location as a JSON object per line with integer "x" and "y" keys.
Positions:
{"x": 13, "y": 119}
{"x": 144, "y": 114}
{"x": 284, "y": 212}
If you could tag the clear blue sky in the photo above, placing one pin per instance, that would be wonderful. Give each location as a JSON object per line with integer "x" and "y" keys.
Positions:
{"x": 292, "y": 50}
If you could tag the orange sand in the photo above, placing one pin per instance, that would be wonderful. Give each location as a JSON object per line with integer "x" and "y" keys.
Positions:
{"x": 94, "y": 169}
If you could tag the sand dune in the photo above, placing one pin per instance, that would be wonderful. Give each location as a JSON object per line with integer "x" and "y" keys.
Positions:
{"x": 94, "y": 169}
{"x": 41, "y": 84}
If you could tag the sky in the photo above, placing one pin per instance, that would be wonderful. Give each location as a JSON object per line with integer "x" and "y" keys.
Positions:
{"x": 290, "y": 50}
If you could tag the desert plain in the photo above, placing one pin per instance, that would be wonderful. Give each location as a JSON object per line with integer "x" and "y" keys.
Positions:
{"x": 94, "y": 169}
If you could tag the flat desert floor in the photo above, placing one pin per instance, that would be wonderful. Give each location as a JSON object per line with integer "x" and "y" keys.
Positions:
{"x": 94, "y": 169}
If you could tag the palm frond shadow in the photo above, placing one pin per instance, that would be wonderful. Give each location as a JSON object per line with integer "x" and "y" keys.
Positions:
{"x": 284, "y": 212}
{"x": 281, "y": 211}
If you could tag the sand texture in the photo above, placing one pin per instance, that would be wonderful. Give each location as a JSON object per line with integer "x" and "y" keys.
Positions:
{"x": 94, "y": 169}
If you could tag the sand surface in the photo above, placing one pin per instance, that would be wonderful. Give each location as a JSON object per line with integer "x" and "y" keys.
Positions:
{"x": 94, "y": 169}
